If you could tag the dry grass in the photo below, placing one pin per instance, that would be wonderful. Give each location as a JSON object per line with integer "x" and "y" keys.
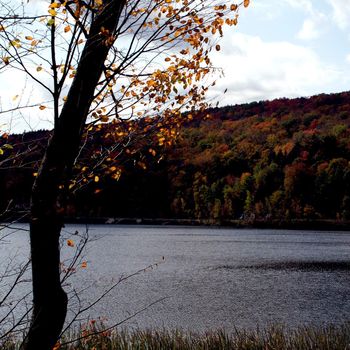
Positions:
{"x": 94, "y": 337}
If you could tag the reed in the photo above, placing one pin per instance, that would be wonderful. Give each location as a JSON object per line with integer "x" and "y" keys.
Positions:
{"x": 95, "y": 337}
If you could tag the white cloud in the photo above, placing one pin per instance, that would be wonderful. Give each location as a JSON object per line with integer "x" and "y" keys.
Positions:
{"x": 258, "y": 70}
{"x": 309, "y": 30}
{"x": 347, "y": 58}
{"x": 313, "y": 26}
{"x": 341, "y": 12}
{"x": 305, "y": 5}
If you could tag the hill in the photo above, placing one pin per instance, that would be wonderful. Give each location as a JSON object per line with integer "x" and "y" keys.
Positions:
{"x": 274, "y": 160}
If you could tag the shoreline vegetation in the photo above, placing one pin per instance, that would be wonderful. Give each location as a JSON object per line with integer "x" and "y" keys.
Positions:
{"x": 94, "y": 336}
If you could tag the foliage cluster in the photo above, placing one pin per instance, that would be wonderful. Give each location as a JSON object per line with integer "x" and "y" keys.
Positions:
{"x": 283, "y": 159}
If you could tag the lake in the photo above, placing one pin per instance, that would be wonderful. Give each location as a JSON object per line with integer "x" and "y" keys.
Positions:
{"x": 210, "y": 277}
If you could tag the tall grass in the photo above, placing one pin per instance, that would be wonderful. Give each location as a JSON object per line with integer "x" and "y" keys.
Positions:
{"x": 94, "y": 337}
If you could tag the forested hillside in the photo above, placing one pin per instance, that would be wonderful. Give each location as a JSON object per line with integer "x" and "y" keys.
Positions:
{"x": 283, "y": 159}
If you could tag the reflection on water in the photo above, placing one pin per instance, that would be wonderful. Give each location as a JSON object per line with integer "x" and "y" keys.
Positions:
{"x": 214, "y": 278}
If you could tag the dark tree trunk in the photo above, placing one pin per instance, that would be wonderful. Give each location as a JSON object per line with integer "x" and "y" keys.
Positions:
{"x": 49, "y": 299}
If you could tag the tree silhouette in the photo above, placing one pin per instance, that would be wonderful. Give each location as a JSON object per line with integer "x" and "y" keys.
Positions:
{"x": 102, "y": 61}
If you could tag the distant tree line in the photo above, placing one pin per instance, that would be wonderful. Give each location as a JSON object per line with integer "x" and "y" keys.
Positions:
{"x": 283, "y": 159}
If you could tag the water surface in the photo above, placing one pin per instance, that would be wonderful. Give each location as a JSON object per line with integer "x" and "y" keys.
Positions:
{"x": 214, "y": 278}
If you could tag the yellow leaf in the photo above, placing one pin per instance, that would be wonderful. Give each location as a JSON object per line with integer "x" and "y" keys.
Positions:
{"x": 70, "y": 243}
{"x": 42, "y": 107}
{"x": 55, "y": 5}
{"x": 1, "y": 152}
{"x": 16, "y": 43}
{"x": 52, "y": 12}
{"x": 14, "y": 98}
{"x": 96, "y": 179}
{"x": 39, "y": 68}
{"x": 51, "y": 21}
{"x": 35, "y": 174}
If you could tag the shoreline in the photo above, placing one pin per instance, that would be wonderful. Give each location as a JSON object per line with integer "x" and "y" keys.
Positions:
{"x": 319, "y": 225}
{"x": 293, "y": 224}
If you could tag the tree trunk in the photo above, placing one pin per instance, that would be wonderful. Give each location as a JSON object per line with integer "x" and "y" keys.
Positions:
{"x": 49, "y": 299}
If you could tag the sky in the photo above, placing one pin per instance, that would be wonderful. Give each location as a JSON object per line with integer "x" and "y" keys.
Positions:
{"x": 286, "y": 48}
{"x": 280, "y": 48}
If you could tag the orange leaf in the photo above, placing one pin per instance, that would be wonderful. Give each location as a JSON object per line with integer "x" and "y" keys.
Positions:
{"x": 41, "y": 107}
{"x": 83, "y": 264}
{"x": 70, "y": 243}
{"x": 246, "y": 3}
{"x": 6, "y": 60}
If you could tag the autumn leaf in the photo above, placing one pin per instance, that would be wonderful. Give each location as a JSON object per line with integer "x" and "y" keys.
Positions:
{"x": 57, "y": 346}
{"x": 70, "y": 243}
{"x": 51, "y": 21}
{"x": 67, "y": 28}
{"x": 83, "y": 264}
{"x": 42, "y": 107}
{"x": 52, "y": 12}
{"x": 55, "y": 5}
{"x": 246, "y": 3}
{"x": 6, "y": 60}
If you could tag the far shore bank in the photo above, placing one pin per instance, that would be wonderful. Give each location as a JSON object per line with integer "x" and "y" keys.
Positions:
{"x": 292, "y": 224}
{"x": 318, "y": 225}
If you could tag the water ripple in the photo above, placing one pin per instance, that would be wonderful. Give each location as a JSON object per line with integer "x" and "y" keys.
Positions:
{"x": 292, "y": 265}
